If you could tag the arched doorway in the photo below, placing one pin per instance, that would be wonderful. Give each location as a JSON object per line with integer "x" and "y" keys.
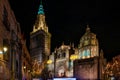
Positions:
{"x": 61, "y": 71}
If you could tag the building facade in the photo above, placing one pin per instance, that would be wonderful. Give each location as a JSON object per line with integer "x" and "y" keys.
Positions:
{"x": 84, "y": 62}
{"x": 10, "y": 44}
{"x": 62, "y": 63}
{"x": 25, "y": 61}
{"x": 91, "y": 63}
{"x": 40, "y": 40}
{"x": 9, "y": 29}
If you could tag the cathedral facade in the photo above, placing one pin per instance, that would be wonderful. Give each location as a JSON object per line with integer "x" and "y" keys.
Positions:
{"x": 62, "y": 64}
{"x": 91, "y": 63}
{"x": 83, "y": 62}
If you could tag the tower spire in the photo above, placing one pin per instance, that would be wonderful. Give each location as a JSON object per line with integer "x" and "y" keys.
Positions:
{"x": 88, "y": 28}
{"x": 41, "y": 2}
{"x": 41, "y": 10}
{"x": 40, "y": 23}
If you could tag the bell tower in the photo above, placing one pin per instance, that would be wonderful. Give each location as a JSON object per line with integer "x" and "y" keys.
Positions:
{"x": 40, "y": 38}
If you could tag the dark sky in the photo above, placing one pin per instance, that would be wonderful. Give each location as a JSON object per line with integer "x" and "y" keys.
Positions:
{"x": 67, "y": 20}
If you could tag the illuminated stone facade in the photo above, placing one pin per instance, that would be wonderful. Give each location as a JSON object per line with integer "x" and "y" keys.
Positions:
{"x": 88, "y": 46}
{"x": 40, "y": 40}
{"x": 84, "y": 62}
{"x": 62, "y": 65}
{"x": 91, "y": 63}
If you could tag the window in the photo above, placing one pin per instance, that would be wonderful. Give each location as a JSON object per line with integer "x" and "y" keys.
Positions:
{"x": 16, "y": 65}
{"x": 63, "y": 55}
{"x": 58, "y": 56}
{"x": 40, "y": 40}
{"x": 80, "y": 54}
{"x": 86, "y": 42}
{"x": 93, "y": 50}
{"x": 93, "y": 42}
{"x": 5, "y": 19}
{"x": 88, "y": 53}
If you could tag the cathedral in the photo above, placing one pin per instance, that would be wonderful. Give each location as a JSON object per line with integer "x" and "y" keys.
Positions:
{"x": 83, "y": 62}
{"x": 62, "y": 63}
{"x": 91, "y": 63}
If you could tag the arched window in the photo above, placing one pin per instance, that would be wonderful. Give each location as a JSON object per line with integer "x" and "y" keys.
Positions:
{"x": 58, "y": 56}
{"x": 80, "y": 54}
{"x": 88, "y": 53}
{"x": 85, "y": 54}
{"x": 63, "y": 55}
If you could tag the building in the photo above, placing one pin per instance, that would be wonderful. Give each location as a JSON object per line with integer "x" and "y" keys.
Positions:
{"x": 4, "y": 37}
{"x": 84, "y": 62}
{"x": 40, "y": 40}
{"x": 25, "y": 61}
{"x": 62, "y": 61}
{"x": 91, "y": 63}
{"x": 112, "y": 69}
{"x": 11, "y": 48}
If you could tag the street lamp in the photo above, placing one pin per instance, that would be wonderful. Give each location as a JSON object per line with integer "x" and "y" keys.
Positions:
{"x": 4, "y": 50}
{"x": 49, "y": 61}
{"x": 2, "y": 53}
{"x": 24, "y": 67}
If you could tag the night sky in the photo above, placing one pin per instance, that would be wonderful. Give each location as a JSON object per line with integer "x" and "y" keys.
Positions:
{"x": 67, "y": 20}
